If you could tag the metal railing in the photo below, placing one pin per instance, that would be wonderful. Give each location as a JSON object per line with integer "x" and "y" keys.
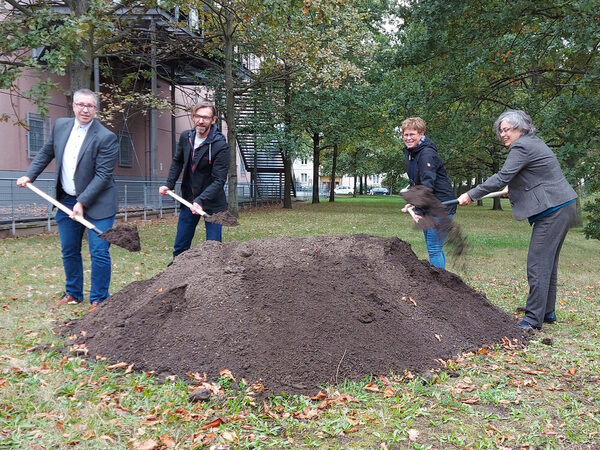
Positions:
{"x": 138, "y": 199}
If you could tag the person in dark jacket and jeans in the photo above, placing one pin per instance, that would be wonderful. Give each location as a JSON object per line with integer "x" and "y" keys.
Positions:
{"x": 424, "y": 167}
{"x": 202, "y": 155}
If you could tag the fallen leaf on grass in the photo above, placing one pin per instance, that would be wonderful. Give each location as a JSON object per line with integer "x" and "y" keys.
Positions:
{"x": 230, "y": 436}
{"x": 569, "y": 373}
{"x": 372, "y": 387}
{"x": 148, "y": 444}
{"x": 470, "y": 400}
{"x": 214, "y": 423}
{"x": 320, "y": 396}
{"x": 120, "y": 365}
{"x": 413, "y": 434}
{"x": 226, "y": 373}
{"x": 389, "y": 392}
{"x": 308, "y": 413}
{"x": 352, "y": 430}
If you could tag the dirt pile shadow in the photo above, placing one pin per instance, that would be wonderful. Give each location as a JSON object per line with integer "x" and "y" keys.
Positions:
{"x": 294, "y": 313}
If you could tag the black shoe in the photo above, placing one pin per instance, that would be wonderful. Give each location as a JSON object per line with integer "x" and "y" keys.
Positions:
{"x": 524, "y": 325}
{"x": 550, "y": 317}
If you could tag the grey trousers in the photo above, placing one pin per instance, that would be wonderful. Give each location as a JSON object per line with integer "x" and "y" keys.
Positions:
{"x": 547, "y": 238}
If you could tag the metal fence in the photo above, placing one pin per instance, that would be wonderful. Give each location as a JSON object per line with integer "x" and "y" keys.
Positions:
{"x": 138, "y": 199}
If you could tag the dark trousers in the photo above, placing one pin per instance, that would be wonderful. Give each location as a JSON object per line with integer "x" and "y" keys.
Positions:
{"x": 186, "y": 228}
{"x": 547, "y": 238}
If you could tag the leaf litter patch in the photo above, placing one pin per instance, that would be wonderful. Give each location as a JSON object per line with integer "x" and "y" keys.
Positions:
{"x": 294, "y": 314}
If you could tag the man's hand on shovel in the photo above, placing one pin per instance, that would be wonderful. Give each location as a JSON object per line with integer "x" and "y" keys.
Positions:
{"x": 197, "y": 209}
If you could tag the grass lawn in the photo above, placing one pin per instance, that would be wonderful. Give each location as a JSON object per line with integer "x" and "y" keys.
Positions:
{"x": 544, "y": 396}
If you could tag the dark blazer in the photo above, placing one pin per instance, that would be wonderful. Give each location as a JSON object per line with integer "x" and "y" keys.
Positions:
{"x": 205, "y": 183}
{"x": 534, "y": 178}
{"x": 95, "y": 186}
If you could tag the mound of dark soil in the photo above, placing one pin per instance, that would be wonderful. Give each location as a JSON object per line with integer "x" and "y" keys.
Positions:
{"x": 294, "y": 313}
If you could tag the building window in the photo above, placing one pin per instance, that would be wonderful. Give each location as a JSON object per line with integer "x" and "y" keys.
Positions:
{"x": 125, "y": 149}
{"x": 303, "y": 177}
{"x": 38, "y": 133}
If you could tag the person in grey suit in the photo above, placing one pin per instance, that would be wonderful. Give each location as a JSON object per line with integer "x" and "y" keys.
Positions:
{"x": 538, "y": 191}
{"x": 86, "y": 154}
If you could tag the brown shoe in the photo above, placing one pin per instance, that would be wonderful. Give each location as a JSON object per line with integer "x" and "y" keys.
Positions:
{"x": 66, "y": 299}
{"x": 93, "y": 306}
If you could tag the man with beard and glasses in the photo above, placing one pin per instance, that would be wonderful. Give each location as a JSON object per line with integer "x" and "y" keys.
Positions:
{"x": 202, "y": 156}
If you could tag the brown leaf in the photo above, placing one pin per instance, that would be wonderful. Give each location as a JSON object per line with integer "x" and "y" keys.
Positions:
{"x": 214, "y": 423}
{"x": 470, "y": 400}
{"x": 226, "y": 373}
{"x": 167, "y": 441}
{"x": 372, "y": 387}
{"x": 148, "y": 444}
{"x": 352, "y": 430}
{"x": 320, "y": 396}
{"x": 572, "y": 371}
{"x": 120, "y": 365}
{"x": 389, "y": 392}
{"x": 230, "y": 436}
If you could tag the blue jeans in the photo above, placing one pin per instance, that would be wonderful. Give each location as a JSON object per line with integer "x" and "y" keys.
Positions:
{"x": 70, "y": 233}
{"x": 186, "y": 228}
{"x": 434, "y": 241}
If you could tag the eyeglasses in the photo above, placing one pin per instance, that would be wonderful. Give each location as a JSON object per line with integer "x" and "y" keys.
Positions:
{"x": 85, "y": 105}
{"x": 199, "y": 117}
{"x": 506, "y": 130}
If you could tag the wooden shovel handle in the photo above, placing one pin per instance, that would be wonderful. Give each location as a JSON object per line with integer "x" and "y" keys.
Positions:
{"x": 63, "y": 208}
{"x": 186, "y": 203}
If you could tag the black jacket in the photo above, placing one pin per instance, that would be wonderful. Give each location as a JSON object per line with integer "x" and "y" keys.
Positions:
{"x": 424, "y": 167}
{"x": 205, "y": 184}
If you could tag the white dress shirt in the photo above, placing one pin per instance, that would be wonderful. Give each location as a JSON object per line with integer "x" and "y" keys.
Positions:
{"x": 70, "y": 156}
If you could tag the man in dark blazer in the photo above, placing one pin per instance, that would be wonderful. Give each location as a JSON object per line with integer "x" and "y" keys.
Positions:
{"x": 86, "y": 154}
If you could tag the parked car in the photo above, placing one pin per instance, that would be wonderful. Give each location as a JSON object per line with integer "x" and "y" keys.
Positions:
{"x": 380, "y": 191}
{"x": 347, "y": 190}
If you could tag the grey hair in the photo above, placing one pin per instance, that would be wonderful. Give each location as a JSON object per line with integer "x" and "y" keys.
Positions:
{"x": 518, "y": 119}
{"x": 79, "y": 92}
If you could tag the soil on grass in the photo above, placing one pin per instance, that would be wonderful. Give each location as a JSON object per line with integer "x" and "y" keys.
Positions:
{"x": 294, "y": 313}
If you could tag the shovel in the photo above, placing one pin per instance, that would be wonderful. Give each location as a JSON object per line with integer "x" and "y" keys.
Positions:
{"x": 490, "y": 195}
{"x": 222, "y": 218}
{"x": 183, "y": 201}
{"x": 124, "y": 236}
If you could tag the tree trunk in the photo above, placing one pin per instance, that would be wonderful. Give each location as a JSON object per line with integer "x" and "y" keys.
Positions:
{"x": 230, "y": 114}
{"x": 333, "y": 167}
{"x": 80, "y": 69}
{"x": 496, "y": 206}
{"x": 287, "y": 160}
{"x": 316, "y": 162}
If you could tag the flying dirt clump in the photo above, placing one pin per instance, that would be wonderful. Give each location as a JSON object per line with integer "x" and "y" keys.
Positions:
{"x": 294, "y": 313}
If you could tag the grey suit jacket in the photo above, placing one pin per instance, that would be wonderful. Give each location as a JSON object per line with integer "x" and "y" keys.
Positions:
{"x": 94, "y": 182}
{"x": 534, "y": 178}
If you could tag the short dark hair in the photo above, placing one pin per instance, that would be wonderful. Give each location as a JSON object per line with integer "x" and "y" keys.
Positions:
{"x": 205, "y": 104}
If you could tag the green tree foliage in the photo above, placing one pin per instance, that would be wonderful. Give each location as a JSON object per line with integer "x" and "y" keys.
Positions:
{"x": 60, "y": 37}
{"x": 462, "y": 63}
